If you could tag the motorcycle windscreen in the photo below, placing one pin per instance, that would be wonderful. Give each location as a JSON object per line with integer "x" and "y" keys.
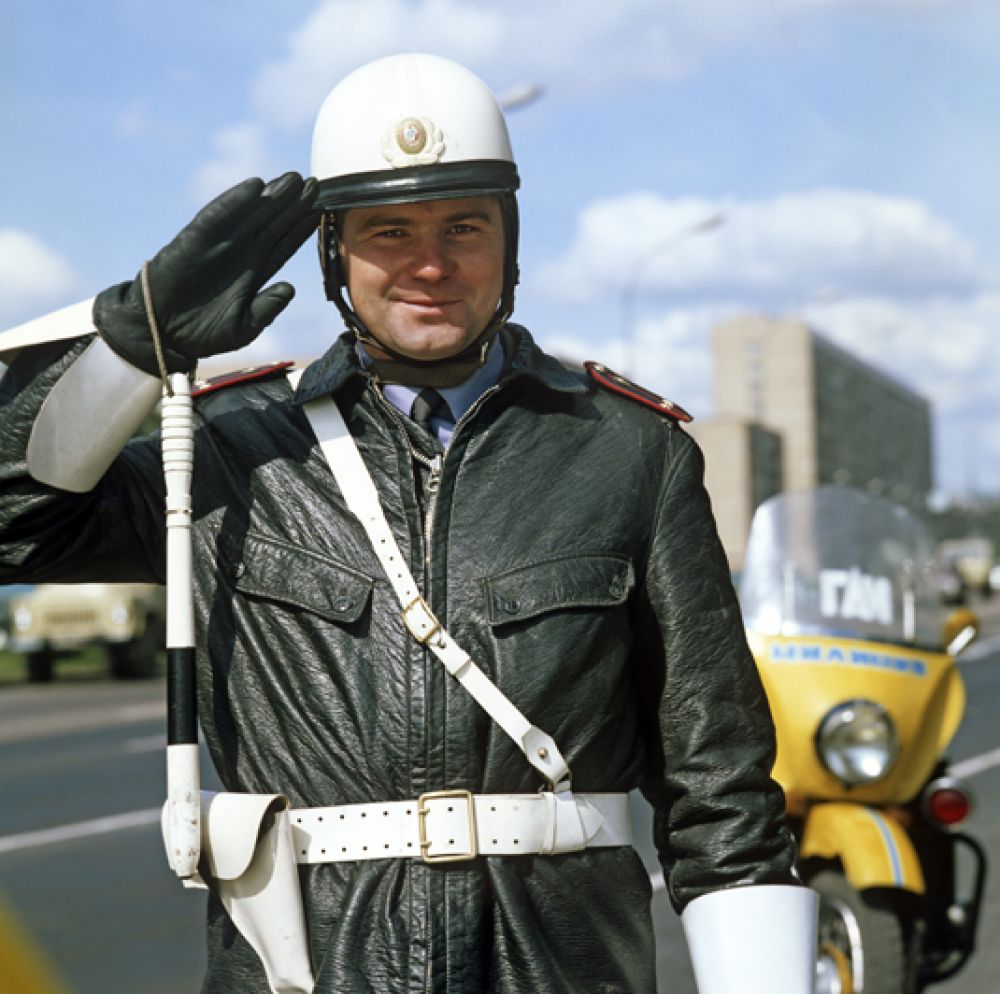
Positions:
{"x": 844, "y": 563}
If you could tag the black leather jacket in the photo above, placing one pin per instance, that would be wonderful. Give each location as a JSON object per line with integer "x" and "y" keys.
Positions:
{"x": 570, "y": 549}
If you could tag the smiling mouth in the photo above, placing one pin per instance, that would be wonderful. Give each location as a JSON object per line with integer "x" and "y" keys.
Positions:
{"x": 431, "y": 310}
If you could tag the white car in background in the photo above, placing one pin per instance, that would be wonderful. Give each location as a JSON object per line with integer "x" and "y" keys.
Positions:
{"x": 58, "y": 619}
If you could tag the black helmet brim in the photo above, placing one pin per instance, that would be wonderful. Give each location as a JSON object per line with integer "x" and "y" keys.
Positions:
{"x": 443, "y": 181}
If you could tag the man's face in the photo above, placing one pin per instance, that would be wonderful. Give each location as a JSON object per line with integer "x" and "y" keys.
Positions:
{"x": 425, "y": 278}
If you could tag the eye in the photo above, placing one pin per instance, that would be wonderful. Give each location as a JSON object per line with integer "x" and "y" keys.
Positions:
{"x": 469, "y": 229}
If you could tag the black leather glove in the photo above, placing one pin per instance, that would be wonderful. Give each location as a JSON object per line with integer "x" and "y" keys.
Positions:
{"x": 206, "y": 284}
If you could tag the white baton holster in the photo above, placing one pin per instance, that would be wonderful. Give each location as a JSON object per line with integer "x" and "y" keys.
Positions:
{"x": 248, "y": 861}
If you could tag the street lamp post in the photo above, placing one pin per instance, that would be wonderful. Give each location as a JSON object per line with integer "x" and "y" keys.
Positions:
{"x": 639, "y": 267}
{"x": 520, "y": 96}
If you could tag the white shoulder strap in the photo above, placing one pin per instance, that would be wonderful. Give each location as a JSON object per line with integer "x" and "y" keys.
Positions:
{"x": 362, "y": 499}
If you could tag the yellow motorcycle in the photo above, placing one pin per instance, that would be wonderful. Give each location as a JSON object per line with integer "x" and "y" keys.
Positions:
{"x": 857, "y": 654}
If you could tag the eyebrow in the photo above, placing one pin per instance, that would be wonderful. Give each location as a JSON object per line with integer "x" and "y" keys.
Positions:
{"x": 389, "y": 220}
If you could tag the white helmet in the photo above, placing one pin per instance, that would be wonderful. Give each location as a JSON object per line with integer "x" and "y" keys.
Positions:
{"x": 410, "y": 128}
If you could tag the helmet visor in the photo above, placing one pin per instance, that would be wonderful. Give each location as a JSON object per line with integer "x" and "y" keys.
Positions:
{"x": 445, "y": 181}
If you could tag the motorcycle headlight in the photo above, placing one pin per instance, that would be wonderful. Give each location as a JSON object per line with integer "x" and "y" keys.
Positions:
{"x": 857, "y": 742}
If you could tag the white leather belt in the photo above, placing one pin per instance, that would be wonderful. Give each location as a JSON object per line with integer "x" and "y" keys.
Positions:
{"x": 452, "y": 825}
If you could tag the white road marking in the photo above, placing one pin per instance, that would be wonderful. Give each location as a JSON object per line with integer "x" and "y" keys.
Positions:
{"x": 980, "y": 648}
{"x": 79, "y": 830}
{"x": 23, "y": 727}
{"x": 147, "y": 743}
{"x": 975, "y": 764}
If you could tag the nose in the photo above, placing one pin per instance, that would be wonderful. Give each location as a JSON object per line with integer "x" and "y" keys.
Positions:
{"x": 431, "y": 260}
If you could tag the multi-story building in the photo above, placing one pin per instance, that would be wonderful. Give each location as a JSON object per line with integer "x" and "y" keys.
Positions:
{"x": 792, "y": 411}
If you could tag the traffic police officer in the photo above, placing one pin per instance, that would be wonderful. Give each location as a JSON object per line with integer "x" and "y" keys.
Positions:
{"x": 555, "y": 522}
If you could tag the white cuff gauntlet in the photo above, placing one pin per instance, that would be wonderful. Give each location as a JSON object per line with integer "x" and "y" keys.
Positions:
{"x": 758, "y": 939}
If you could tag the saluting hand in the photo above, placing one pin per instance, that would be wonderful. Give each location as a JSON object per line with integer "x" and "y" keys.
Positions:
{"x": 206, "y": 285}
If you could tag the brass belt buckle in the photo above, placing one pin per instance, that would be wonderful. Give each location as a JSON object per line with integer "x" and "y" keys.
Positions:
{"x": 423, "y": 811}
{"x": 421, "y": 616}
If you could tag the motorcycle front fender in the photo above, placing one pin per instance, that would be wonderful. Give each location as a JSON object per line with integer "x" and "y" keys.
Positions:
{"x": 874, "y": 850}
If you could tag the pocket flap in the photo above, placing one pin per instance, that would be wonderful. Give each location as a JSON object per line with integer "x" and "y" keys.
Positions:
{"x": 294, "y": 575}
{"x": 601, "y": 580}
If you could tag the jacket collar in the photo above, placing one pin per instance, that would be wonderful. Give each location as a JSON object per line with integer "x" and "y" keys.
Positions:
{"x": 529, "y": 361}
{"x": 340, "y": 364}
{"x": 331, "y": 372}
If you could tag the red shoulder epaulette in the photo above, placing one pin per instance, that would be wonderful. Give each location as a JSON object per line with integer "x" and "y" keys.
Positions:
{"x": 201, "y": 387}
{"x": 619, "y": 384}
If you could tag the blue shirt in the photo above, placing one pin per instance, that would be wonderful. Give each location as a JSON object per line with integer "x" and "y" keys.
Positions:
{"x": 460, "y": 397}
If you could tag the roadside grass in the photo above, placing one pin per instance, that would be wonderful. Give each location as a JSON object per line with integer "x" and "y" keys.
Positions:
{"x": 88, "y": 664}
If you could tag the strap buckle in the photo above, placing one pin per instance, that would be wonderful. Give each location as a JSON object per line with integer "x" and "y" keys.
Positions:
{"x": 422, "y": 624}
{"x": 425, "y": 843}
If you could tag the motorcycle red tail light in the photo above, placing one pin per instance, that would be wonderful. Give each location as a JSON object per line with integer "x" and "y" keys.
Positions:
{"x": 947, "y": 802}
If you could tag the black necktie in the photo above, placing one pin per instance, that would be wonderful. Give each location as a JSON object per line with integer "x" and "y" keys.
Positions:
{"x": 430, "y": 404}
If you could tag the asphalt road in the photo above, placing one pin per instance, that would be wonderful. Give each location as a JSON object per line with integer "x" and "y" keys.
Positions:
{"x": 82, "y": 866}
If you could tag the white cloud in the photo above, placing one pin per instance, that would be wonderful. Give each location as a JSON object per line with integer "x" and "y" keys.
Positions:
{"x": 240, "y": 151}
{"x": 782, "y": 250}
{"x": 341, "y": 35}
{"x": 506, "y": 45}
{"x": 942, "y": 346}
{"x": 574, "y": 47}
{"x": 32, "y": 277}
{"x": 670, "y": 353}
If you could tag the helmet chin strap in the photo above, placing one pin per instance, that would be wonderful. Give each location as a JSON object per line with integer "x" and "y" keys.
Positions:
{"x": 447, "y": 372}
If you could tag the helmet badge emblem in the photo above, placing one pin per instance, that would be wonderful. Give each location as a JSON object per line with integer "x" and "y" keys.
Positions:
{"x": 414, "y": 141}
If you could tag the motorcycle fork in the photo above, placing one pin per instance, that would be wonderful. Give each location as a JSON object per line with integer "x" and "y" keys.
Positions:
{"x": 951, "y": 904}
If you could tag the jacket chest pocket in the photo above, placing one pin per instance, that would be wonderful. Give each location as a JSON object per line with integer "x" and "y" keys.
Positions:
{"x": 294, "y": 577}
{"x": 553, "y": 620}
{"x": 571, "y": 583}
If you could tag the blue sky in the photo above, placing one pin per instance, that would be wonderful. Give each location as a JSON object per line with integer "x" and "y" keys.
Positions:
{"x": 851, "y": 148}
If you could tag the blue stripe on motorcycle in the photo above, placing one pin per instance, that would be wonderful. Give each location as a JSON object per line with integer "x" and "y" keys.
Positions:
{"x": 890, "y": 845}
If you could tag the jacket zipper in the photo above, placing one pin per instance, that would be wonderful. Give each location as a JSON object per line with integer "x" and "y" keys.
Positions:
{"x": 434, "y": 466}
{"x": 436, "y": 470}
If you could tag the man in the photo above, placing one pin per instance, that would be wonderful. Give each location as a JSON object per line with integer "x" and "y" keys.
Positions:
{"x": 554, "y": 523}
